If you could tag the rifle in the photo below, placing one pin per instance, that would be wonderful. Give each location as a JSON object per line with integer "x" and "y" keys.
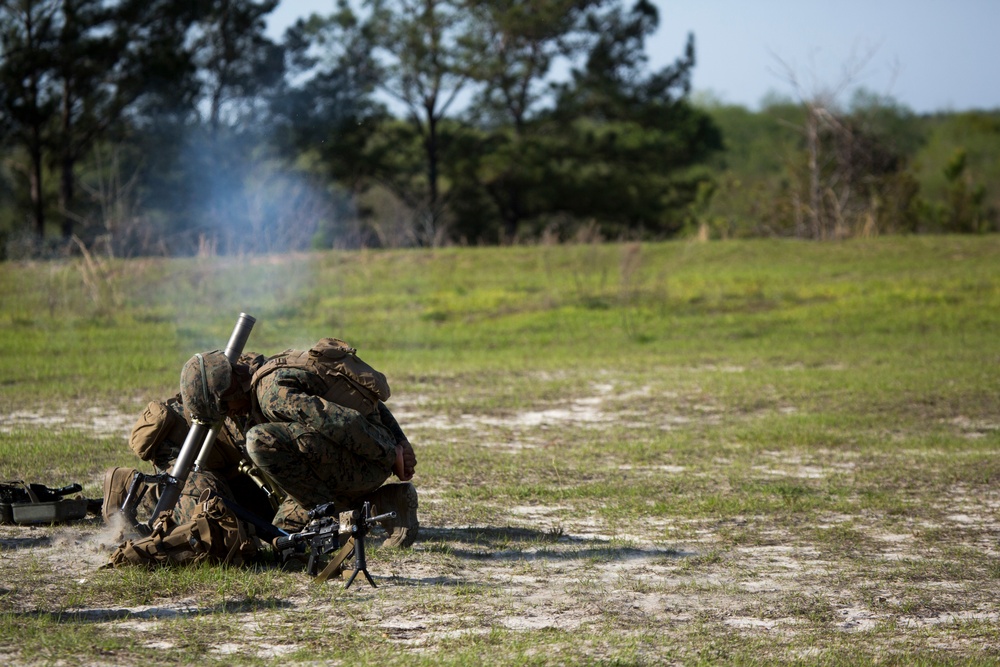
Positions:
{"x": 194, "y": 452}
{"x": 19, "y": 492}
{"x": 322, "y": 537}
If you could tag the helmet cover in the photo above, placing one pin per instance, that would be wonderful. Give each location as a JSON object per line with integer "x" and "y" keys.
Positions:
{"x": 204, "y": 379}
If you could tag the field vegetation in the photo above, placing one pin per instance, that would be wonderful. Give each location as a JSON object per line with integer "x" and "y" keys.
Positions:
{"x": 734, "y": 452}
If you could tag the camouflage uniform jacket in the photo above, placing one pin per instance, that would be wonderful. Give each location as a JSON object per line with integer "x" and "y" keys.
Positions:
{"x": 295, "y": 395}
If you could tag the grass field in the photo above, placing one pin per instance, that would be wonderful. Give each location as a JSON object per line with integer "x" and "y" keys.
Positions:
{"x": 755, "y": 452}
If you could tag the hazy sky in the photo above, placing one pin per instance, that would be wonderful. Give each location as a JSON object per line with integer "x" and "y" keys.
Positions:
{"x": 931, "y": 55}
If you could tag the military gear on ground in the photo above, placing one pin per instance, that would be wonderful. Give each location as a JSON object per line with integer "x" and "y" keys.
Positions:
{"x": 402, "y": 499}
{"x": 19, "y": 492}
{"x": 205, "y": 379}
{"x": 213, "y": 534}
{"x": 36, "y": 503}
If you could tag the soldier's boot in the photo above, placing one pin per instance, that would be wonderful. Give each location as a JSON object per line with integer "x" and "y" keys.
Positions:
{"x": 116, "y": 483}
{"x": 400, "y": 498}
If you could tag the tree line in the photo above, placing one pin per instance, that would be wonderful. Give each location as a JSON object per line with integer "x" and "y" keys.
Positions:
{"x": 180, "y": 126}
{"x": 818, "y": 167}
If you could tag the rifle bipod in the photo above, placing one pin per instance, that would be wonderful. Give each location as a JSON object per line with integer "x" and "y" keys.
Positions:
{"x": 322, "y": 535}
{"x": 360, "y": 525}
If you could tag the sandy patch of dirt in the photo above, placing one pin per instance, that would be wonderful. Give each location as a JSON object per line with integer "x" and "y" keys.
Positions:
{"x": 99, "y": 421}
{"x": 522, "y": 578}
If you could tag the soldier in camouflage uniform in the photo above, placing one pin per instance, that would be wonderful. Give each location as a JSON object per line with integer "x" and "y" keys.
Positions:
{"x": 319, "y": 436}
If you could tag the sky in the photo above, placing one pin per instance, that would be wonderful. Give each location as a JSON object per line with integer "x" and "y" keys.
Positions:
{"x": 929, "y": 55}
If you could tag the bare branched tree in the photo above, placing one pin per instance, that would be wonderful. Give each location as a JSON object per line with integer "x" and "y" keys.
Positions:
{"x": 840, "y": 190}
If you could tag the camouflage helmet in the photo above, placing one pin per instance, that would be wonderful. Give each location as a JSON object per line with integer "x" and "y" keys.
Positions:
{"x": 204, "y": 379}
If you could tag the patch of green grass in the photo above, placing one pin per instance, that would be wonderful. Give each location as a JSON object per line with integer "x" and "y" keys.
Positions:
{"x": 800, "y": 429}
{"x": 53, "y": 456}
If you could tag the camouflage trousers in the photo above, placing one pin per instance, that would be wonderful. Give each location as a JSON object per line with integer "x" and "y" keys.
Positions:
{"x": 311, "y": 468}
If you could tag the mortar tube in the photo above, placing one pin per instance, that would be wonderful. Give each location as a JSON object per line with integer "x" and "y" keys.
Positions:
{"x": 234, "y": 348}
{"x": 201, "y": 437}
{"x": 238, "y": 339}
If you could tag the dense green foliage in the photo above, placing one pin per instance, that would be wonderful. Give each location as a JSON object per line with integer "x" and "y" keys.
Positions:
{"x": 177, "y": 126}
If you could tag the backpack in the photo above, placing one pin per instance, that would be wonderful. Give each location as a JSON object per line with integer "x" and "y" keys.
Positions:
{"x": 213, "y": 535}
{"x": 156, "y": 424}
{"x": 350, "y": 382}
{"x": 160, "y": 431}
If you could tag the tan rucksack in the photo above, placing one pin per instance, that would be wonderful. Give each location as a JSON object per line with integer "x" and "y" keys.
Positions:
{"x": 214, "y": 535}
{"x": 160, "y": 430}
{"x": 157, "y": 423}
{"x": 350, "y": 381}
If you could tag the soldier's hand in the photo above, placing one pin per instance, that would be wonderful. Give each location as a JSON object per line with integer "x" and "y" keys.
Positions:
{"x": 406, "y": 461}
